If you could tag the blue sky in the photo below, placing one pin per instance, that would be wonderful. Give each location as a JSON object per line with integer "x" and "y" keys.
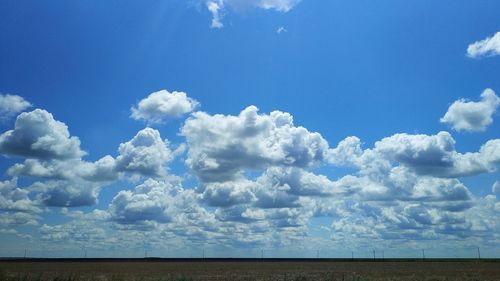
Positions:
{"x": 393, "y": 145}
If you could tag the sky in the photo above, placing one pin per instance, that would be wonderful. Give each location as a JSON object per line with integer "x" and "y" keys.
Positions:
{"x": 170, "y": 128}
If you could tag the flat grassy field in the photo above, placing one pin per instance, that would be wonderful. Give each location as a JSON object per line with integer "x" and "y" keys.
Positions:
{"x": 156, "y": 270}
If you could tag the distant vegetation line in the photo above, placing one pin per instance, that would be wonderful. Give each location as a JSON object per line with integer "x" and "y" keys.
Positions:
{"x": 153, "y": 259}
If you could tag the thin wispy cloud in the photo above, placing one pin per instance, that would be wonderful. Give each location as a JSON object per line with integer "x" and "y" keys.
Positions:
{"x": 281, "y": 29}
{"x": 220, "y": 7}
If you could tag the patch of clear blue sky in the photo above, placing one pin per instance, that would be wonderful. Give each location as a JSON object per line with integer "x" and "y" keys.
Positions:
{"x": 364, "y": 68}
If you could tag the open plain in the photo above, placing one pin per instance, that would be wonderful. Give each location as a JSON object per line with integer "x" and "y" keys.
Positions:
{"x": 247, "y": 269}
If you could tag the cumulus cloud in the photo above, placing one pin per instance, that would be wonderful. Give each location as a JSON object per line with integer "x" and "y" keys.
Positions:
{"x": 10, "y": 105}
{"x": 259, "y": 184}
{"x": 16, "y": 206}
{"x": 431, "y": 155}
{"x": 67, "y": 182}
{"x": 221, "y": 146}
{"x": 406, "y": 187}
{"x": 161, "y": 105}
{"x": 18, "y": 218}
{"x": 146, "y": 154}
{"x": 158, "y": 202}
{"x": 74, "y": 182}
{"x": 67, "y": 193}
{"x": 224, "y": 194}
{"x": 38, "y": 135}
{"x": 485, "y": 48}
{"x": 218, "y": 7}
{"x": 277, "y": 187}
{"x": 14, "y": 199}
{"x": 472, "y": 116}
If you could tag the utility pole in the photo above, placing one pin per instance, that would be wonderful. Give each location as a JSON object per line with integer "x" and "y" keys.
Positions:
{"x": 352, "y": 255}
{"x": 373, "y": 254}
{"x": 478, "y": 253}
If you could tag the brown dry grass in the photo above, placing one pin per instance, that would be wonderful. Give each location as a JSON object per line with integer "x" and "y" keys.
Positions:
{"x": 250, "y": 270}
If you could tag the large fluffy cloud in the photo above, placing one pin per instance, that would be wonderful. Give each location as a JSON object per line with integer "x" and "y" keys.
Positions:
{"x": 259, "y": 185}
{"x": 10, "y": 105}
{"x": 221, "y": 146}
{"x": 15, "y": 199}
{"x": 38, "y": 135}
{"x": 159, "y": 106}
{"x": 74, "y": 182}
{"x": 55, "y": 158}
{"x": 472, "y": 116}
{"x": 67, "y": 193}
{"x": 100, "y": 171}
{"x": 16, "y": 206}
{"x": 431, "y": 155}
{"x": 146, "y": 154}
{"x": 157, "y": 202}
{"x": 487, "y": 47}
{"x": 407, "y": 188}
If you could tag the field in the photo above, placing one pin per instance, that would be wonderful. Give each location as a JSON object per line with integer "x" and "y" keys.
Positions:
{"x": 166, "y": 270}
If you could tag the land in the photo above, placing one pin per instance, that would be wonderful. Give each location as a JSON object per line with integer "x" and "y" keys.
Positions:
{"x": 246, "y": 269}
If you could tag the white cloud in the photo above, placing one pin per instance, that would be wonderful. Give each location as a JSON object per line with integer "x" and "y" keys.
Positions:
{"x": 406, "y": 188}
{"x": 67, "y": 193}
{"x": 346, "y": 153}
{"x": 38, "y": 135}
{"x": 472, "y": 116}
{"x": 278, "y": 5}
{"x": 217, "y": 7}
{"x": 145, "y": 154}
{"x": 260, "y": 187}
{"x": 161, "y": 105}
{"x": 298, "y": 182}
{"x": 432, "y": 155}
{"x": 103, "y": 170}
{"x": 16, "y": 206}
{"x": 281, "y": 29}
{"x": 74, "y": 182}
{"x": 54, "y": 157}
{"x": 484, "y": 48}
{"x": 229, "y": 193}
{"x": 495, "y": 188}
{"x": 67, "y": 182}
{"x": 18, "y": 218}
{"x": 10, "y": 105}
{"x": 155, "y": 201}
{"x": 221, "y": 146}
{"x": 14, "y": 199}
